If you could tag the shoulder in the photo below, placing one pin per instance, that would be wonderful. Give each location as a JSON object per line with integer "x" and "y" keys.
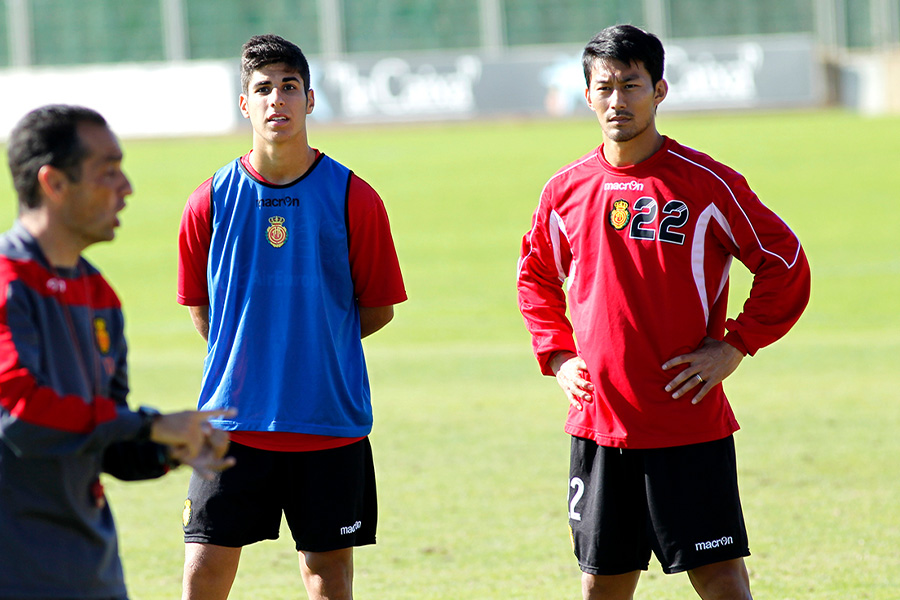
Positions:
{"x": 701, "y": 164}
{"x": 569, "y": 179}
{"x": 568, "y": 176}
{"x": 361, "y": 193}
{"x": 102, "y": 293}
{"x": 583, "y": 163}
{"x": 18, "y": 244}
{"x": 198, "y": 202}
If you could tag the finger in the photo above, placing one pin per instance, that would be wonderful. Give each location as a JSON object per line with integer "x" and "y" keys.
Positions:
{"x": 216, "y": 413}
{"x": 707, "y": 386}
{"x": 574, "y": 402}
{"x": 182, "y": 454}
{"x": 583, "y": 389}
{"x": 680, "y": 379}
{"x": 206, "y": 467}
{"x": 219, "y": 442}
{"x": 686, "y": 385}
{"x": 678, "y": 360}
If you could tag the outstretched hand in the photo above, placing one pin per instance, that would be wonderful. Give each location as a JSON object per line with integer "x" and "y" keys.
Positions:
{"x": 194, "y": 441}
{"x": 707, "y": 367}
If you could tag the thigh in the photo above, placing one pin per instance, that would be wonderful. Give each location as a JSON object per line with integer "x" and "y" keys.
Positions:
{"x": 695, "y": 506}
{"x": 607, "y": 509}
{"x": 330, "y": 500}
{"x": 238, "y": 506}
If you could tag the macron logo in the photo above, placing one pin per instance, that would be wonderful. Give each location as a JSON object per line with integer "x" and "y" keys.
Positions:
{"x": 351, "y": 529}
{"x": 626, "y": 186}
{"x": 726, "y": 540}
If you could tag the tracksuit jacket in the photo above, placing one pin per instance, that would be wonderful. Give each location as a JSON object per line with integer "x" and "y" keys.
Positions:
{"x": 63, "y": 421}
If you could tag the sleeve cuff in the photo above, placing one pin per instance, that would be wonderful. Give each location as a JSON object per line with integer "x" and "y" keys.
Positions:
{"x": 734, "y": 339}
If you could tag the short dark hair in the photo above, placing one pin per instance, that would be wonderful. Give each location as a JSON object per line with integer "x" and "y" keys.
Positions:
{"x": 626, "y": 44}
{"x": 47, "y": 136}
{"x": 262, "y": 50}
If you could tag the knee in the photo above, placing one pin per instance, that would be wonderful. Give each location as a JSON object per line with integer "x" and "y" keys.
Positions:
{"x": 722, "y": 581}
{"x": 330, "y": 573}
{"x": 614, "y": 587}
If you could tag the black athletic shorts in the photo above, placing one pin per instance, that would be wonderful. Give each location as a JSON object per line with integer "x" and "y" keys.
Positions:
{"x": 328, "y": 499}
{"x": 681, "y": 503}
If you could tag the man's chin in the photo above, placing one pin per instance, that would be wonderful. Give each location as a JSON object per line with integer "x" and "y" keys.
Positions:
{"x": 620, "y": 135}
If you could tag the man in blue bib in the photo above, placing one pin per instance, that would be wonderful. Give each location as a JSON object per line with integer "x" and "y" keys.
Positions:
{"x": 286, "y": 262}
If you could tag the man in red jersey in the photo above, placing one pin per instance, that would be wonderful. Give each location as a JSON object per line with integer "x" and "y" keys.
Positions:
{"x": 286, "y": 262}
{"x": 642, "y": 231}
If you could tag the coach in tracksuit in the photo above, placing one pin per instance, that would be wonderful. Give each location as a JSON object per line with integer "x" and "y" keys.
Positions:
{"x": 63, "y": 375}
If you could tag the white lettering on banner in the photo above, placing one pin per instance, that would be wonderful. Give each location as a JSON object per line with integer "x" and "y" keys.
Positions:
{"x": 723, "y": 541}
{"x": 704, "y": 77}
{"x": 623, "y": 186}
{"x": 394, "y": 88}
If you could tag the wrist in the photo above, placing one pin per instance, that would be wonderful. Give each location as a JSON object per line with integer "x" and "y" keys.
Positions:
{"x": 559, "y": 359}
{"x": 148, "y": 417}
{"x": 166, "y": 458}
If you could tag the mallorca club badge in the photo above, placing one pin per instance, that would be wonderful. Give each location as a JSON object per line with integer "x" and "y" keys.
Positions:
{"x": 187, "y": 513}
{"x": 277, "y": 232}
{"x": 619, "y": 215}
{"x": 102, "y": 335}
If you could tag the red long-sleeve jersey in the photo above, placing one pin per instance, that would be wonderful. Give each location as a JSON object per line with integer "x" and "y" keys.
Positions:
{"x": 644, "y": 252}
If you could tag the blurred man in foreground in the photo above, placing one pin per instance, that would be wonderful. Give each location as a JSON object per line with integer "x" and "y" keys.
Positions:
{"x": 63, "y": 374}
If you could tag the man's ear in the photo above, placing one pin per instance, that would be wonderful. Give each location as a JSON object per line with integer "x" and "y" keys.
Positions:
{"x": 661, "y": 91}
{"x": 242, "y": 104}
{"x": 53, "y": 183}
{"x": 310, "y": 101}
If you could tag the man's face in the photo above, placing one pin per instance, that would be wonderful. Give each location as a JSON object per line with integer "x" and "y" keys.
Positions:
{"x": 276, "y": 104}
{"x": 624, "y": 99}
{"x": 89, "y": 211}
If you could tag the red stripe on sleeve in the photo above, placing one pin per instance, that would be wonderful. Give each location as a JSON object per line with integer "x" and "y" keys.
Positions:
{"x": 20, "y": 393}
{"x": 42, "y": 406}
{"x": 89, "y": 289}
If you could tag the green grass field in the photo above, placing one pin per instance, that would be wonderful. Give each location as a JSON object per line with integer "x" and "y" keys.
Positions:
{"x": 469, "y": 446}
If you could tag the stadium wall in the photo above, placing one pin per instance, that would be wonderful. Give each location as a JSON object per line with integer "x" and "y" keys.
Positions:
{"x": 194, "y": 98}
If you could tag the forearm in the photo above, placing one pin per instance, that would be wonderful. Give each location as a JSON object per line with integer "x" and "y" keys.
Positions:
{"x": 373, "y": 318}
{"x": 200, "y": 318}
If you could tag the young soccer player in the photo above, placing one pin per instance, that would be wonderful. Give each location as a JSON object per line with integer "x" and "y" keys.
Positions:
{"x": 644, "y": 231}
{"x": 286, "y": 262}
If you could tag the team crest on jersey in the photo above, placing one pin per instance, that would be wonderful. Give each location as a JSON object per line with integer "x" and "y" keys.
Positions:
{"x": 102, "y": 335}
{"x": 276, "y": 233}
{"x": 619, "y": 216}
{"x": 187, "y": 513}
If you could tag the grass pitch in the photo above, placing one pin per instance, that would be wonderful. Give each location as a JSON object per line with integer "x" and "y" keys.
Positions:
{"x": 468, "y": 440}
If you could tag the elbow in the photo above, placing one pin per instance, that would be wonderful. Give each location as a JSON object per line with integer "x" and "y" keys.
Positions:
{"x": 373, "y": 319}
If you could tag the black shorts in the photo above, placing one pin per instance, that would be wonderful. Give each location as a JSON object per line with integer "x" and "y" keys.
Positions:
{"x": 681, "y": 503}
{"x": 328, "y": 498}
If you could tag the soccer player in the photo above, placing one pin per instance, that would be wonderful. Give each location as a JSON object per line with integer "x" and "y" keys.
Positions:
{"x": 286, "y": 262}
{"x": 63, "y": 373}
{"x": 642, "y": 231}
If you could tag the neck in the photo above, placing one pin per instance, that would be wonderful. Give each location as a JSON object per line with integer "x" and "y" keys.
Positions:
{"x": 633, "y": 151}
{"x": 282, "y": 164}
{"x": 59, "y": 250}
